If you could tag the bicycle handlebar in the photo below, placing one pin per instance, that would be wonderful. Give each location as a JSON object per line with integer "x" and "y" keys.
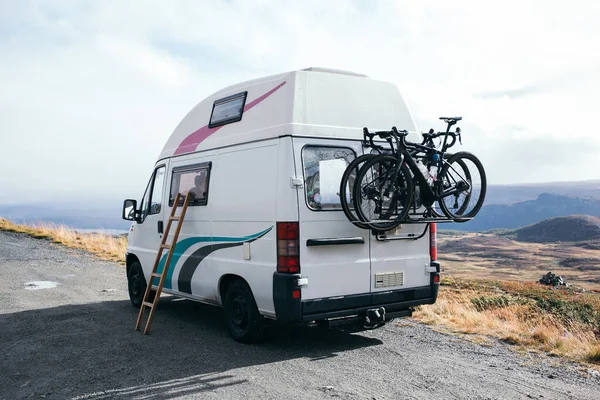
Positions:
{"x": 381, "y": 134}
{"x": 400, "y": 137}
{"x": 431, "y": 135}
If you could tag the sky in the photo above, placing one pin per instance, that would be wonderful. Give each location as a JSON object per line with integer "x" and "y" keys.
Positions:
{"x": 90, "y": 91}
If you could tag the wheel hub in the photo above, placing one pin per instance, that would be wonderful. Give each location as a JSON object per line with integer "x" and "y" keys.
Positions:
{"x": 240, "y": 312}
{"x": 136, "y": 284}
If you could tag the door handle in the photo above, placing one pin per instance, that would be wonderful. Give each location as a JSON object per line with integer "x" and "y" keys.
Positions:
{"x": 335, "y": 241}
{"x": 160, "y": 227}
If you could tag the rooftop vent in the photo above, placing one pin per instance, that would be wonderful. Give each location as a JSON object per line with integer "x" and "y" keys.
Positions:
{"x": 334, "y": 71}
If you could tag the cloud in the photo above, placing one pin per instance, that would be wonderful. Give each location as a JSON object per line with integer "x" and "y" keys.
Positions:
{"x": 92, "y": 90}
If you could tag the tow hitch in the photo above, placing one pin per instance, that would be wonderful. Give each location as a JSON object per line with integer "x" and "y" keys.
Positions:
{"x": 375, "y": 318}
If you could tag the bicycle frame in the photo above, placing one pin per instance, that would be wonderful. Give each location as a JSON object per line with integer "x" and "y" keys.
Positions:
{"x": 429, "y": 195}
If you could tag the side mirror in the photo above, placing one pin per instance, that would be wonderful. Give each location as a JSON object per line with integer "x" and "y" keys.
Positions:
{"x": 130, "y": 210}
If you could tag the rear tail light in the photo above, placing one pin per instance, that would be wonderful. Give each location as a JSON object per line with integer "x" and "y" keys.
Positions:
{"x": 433, "y": 241}
{"x": 288, "y": 247}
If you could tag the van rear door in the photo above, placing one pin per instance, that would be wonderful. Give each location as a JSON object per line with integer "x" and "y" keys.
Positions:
{"x": 399, "y": 259}
{"x": 334, "y": 254}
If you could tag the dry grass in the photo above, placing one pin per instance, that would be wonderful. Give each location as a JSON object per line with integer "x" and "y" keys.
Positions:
{"x": 564, "y": 322}
{"x": 106, "y": 247}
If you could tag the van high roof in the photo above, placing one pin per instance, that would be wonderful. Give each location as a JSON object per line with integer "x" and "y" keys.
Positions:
{"x": 314, "y": 102}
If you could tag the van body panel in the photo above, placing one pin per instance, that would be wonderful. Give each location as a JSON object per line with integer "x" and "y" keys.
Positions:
{"x": 286, "y": 204}
{"x": 245, "y": 187}
{"x": 284, "y": 102}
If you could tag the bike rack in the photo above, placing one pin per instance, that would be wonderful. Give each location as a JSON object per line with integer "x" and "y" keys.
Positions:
{"x": 386, "y": 236}
{"x": 437, "y": 220}
{"x": 415, "y": 219}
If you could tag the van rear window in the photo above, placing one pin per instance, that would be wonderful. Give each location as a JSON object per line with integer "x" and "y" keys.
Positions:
{"x": 323, "y": 170}
{"x": 192, "y": 179}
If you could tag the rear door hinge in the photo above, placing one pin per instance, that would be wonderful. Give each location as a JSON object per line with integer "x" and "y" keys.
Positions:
{"x": 429, "y": 269}
{"x": 303, "y": 282}
{"x": 297, "y": 182}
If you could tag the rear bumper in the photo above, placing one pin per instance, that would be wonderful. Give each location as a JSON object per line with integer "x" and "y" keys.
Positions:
{"x": 392, "y": 301}
{"x": 395, "y": 302}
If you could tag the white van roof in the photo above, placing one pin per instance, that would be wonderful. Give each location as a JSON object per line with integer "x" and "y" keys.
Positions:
{"x": 315, "y": 102}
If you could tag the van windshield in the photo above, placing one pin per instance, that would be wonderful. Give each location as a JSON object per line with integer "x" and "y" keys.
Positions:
{"x": 323, "y": 170}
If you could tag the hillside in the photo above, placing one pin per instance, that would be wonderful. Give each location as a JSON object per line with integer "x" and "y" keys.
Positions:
{"x": 573, "y": 228}
{"x": 516, "y": 193}
{"x": 489, "y": 256}
{"x": 568, "y": 246}
{"x": 545, "y": 206}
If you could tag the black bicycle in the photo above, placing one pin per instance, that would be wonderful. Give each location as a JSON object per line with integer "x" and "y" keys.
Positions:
{"x": 349, "y": 177}
{"x": 348, "y": 180}
{"x": 385, "y": 184}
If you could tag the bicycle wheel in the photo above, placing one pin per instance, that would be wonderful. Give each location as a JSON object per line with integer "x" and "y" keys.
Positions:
{"x": 383, "y": 201}
{"x": 347, "y": 188}
{"x": 436, "y": 210}
{"x": 462, "y": 193}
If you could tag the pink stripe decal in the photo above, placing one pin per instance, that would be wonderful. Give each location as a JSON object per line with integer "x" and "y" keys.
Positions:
{"x": 191, "y": 142}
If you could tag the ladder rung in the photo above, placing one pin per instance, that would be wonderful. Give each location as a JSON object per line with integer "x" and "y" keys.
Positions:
{"x": 156, "y": 275}
{"x": 147, "y": 304}
{"x": 165, "y": 246}
{"x": 174, "y": 218}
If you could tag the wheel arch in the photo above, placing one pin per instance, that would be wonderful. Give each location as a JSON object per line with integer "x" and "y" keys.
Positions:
{"x": 130, "y": 258}
{"x": 226, "y": 280}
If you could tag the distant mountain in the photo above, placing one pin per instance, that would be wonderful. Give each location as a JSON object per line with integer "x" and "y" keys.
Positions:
{"x": 573, "y": 228}
{"x": 74, "y": 215}
{"x": 528, "y": 212}
{"x": 511, "y": 194}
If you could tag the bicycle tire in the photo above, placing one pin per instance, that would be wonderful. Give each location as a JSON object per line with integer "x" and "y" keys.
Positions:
{"x": 434, "y": 212}
{"x": 405, "y": 195}
{"x": 462, "y": 215}
{"x": 347, "y": 187}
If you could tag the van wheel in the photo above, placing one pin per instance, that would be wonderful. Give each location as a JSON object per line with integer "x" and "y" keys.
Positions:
{"x": 244, "y": 321}
{"x": 136, "y": 284}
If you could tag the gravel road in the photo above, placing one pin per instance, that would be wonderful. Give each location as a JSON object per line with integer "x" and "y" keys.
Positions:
{"x": 76, "y": 340}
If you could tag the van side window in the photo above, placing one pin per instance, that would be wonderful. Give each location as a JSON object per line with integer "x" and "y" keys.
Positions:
{"x": 192, "y": 179}
{"x": 152, "y": 201}
{"x": 323, "y": 170}
{"x": 157, "y": 191}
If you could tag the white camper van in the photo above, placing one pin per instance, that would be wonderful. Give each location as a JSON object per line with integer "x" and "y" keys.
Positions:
{"x": 265, "y": 236}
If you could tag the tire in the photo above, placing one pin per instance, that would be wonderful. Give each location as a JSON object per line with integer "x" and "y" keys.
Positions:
{"x": 347, "y": 189}
{"x": 455, "y": 207}
{"x": 136, "y": 284}
{"x": 244, "y": 322}
{"x": 437, "y": 212}
{"x": 370, "y": 181}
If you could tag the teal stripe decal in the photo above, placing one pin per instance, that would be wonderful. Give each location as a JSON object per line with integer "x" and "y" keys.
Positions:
{"x": 182, "y": 246}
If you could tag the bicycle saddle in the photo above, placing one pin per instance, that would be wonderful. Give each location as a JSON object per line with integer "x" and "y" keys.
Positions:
{"x": 452, "y": 120}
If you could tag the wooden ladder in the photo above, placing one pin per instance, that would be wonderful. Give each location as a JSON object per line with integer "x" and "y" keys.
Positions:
{"x": 163, "y": 246}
